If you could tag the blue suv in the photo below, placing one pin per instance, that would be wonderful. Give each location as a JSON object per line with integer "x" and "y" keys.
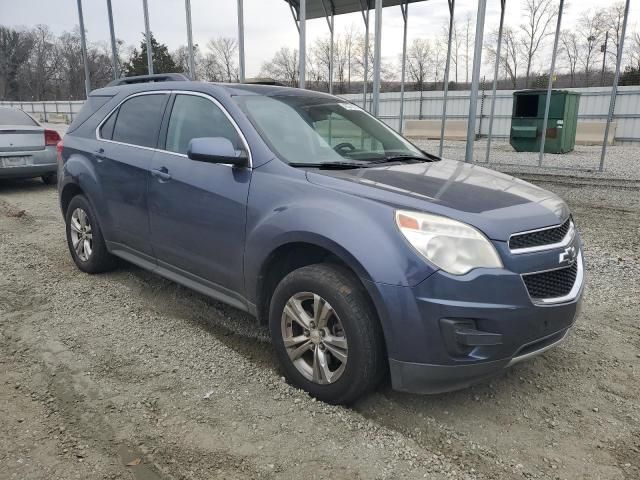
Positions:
{"x": 364, "y": 255}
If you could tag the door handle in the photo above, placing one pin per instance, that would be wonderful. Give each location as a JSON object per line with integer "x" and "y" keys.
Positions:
{"x": 161, "y": 173}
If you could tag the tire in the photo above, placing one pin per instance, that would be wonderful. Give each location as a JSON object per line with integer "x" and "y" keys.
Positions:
{"x": 50, "y": 179}
{"x": 92, "y": 257}
{"x": 350, "y": 314}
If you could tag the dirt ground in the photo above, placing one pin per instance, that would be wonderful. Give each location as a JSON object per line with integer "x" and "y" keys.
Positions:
{"x": 129, "y": 376}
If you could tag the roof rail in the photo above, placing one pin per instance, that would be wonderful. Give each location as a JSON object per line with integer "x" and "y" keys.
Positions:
{"x": 263, "y": 81}
{"x": 158, "y": 77}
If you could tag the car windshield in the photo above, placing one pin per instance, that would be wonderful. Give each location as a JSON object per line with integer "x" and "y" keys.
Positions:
{"x": 319, "y": 130}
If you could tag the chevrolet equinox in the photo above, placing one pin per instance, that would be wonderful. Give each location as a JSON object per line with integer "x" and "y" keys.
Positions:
{"x": 363, "y": 254}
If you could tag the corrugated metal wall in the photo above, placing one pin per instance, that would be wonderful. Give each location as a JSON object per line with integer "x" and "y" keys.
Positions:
{"x": 42, "y": 111}
{"x": 594, "y": 106}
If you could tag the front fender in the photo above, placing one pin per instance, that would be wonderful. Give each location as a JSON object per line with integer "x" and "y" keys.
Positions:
{"x": 285, "y": 208}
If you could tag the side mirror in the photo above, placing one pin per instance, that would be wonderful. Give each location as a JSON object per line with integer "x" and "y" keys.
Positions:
{"x": 215, "y": 150}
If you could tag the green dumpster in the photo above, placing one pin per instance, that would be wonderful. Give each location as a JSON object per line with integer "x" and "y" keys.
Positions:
{"x": 528, "y": 116}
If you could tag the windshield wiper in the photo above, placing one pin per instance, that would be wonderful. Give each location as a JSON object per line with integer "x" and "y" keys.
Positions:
{"x": 330, "y": 165}
{"x": 407, "y": 158}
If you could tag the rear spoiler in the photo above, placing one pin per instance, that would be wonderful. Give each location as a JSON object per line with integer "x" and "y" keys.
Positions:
{"x": 159, "y": 77}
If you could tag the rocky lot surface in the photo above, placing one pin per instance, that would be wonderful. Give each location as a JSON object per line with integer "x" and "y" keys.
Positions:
{"x": 129, "y": 376}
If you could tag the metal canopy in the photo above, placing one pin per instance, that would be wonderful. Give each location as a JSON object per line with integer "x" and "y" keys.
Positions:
{"x": 315, "y": 8}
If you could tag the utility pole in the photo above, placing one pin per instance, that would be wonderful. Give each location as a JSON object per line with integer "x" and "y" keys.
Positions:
{"x": 603, "y": 49}
{"x": 83, "y": 46}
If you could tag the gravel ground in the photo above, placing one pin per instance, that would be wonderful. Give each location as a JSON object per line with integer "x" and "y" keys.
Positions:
{"x": 126, "y": 375}
{"x": 622, "y": 161}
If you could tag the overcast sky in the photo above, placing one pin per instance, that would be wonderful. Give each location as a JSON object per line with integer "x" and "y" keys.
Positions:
{"x": 268, "y": 23}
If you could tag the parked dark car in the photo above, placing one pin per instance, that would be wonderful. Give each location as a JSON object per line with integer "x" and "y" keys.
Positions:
{"x": 363, "y": 254}
{"x": 27, "y": 149}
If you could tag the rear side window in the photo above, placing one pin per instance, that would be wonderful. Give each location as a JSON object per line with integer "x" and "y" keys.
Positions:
{"x": 193, "y": 117}
{"x": 138, "y": 120}
{"x": 13, "y": 116}
{"x": 91, "y": 106}
{"x": 106, "y": 131}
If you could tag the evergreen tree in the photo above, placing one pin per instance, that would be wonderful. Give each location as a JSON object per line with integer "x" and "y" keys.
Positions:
{"x": 162, "y": 60}
{"x": 630, "y": 76}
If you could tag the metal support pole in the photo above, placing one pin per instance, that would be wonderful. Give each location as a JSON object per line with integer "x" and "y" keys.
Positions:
{"x": 114, "y": 49}
{"x": 145, "y": 8}
{"x": 552, "y": 69}
{"x": 377, "y": 46}
{"x": 294, "y": 14}
{"x": 496, "y": 71}
{"x": 302, "y": 55}
{"x": 614, "y": 87}
{"x": 331, "y": 56}
{"x": 192, "y": 65}
{"x": 405, "y": 13}
{"x": 83, "y": 46}
{"x": 329, "y": 19}
{"x": 452, "y": 6}
{"x": 475, "y": 80}
{"x": 241, "y": 40}
{"x": 365, "y": 17}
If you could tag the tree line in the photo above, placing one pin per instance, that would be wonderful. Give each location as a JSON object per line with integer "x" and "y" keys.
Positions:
{"x": 36, "y": 64}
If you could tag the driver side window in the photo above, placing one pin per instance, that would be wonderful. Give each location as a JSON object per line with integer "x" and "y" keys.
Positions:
{"x": 195, "y": 116}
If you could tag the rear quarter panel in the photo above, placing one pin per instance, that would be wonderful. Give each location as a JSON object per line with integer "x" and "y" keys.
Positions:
{"x": 78, "y": 169}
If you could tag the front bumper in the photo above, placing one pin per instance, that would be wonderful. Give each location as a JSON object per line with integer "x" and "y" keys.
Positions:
{"x": 431, "y": 379}
{"x": 425, "y": 324}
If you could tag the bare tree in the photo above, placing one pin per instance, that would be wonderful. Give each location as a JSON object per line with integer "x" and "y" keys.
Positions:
{"x": 210, "y": 69}
{"x": 15, "y": 47}
{"x": 456, "y": 45}
{"x": 613, "y": 18}
{"x": 590, "y": 31}
{"x": 468, "y": 35}
{"x": 570, "y": 51}
{"x": 539, "y": 15}
{"x": 283, "y": 67}
{"x": 225, "y": 52}
{"x": 386, "y": 72}
{"x": 634, "y": 50}
{"x": 510, "y": 55}
{"x": 439, "y": 56}
{"x": 349, "y": 39}
{"x": 320, "y": 59}
{"x": 419, "y": 61}
{"x": 42, "y": 65}
{"x": 342, "y": 61}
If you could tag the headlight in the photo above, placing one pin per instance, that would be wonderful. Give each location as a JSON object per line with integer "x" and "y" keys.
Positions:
{"x": 453, "y": 246}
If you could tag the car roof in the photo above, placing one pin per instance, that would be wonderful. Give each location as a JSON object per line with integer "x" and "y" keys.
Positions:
{"x": 230, "y": 89}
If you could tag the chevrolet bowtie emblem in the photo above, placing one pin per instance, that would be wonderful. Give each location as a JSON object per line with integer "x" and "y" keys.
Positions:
{"x": 569, "y": 255}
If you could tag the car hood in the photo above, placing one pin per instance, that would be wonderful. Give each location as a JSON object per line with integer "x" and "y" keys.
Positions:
{"x": 493, "y": 202}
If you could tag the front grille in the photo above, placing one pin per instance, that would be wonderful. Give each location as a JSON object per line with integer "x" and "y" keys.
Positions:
{"x": 551, "y": 284}
{"x": 548, "y": 236}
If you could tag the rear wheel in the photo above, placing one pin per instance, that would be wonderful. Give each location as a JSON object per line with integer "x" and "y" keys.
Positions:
{"x": 49, "y": 179}
{"x": 326, "y": 334}
{"x": 84, "y": 238}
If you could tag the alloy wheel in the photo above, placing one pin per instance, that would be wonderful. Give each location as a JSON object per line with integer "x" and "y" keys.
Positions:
{"x": 314, "y": 338}
{"x": 81, "y": 234}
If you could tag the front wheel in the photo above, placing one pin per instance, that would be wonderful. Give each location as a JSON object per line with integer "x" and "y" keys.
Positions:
{"x": 326, "y": 334}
